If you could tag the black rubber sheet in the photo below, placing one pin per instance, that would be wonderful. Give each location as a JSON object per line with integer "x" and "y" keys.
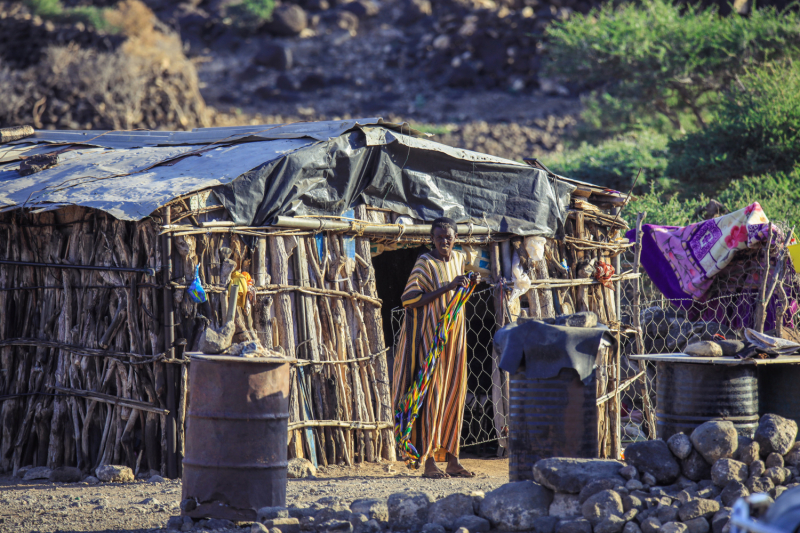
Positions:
{"x": 542, "y": 350}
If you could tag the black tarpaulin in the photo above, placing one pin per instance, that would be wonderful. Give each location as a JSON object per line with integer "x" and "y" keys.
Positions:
{"x": 410, "y": 176}
{"x": 543, "y": 350}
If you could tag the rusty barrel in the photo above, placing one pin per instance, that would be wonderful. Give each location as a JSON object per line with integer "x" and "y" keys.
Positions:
{"x": 236, "y": 436}
{"x": 689, "y": 394}
{"x": 779, "y": 390}
{"x": 553, "y": 417}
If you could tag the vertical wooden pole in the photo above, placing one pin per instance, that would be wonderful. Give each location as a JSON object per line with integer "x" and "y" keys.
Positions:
{"x": 279, "y": 264}
{"x": 374, "y": 327}
{"x": 649, "y": 416}
{"x": 262, "y": 311}
{"x": 618, "y": 305}
{"x": 169, "y": 340}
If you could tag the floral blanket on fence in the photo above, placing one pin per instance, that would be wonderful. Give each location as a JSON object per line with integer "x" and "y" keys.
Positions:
{"x": 682, "y": 261}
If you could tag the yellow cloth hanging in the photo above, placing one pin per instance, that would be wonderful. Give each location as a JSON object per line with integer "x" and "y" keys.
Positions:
{"x": 243, "y": 280}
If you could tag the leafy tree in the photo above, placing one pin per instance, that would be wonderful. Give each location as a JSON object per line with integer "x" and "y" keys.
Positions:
{"x": 756, "y": 131}
{"x": 614, "y": 163}
{"x": 664, "y": 57}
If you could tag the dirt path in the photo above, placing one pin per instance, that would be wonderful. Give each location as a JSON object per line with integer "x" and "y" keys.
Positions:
{"x": 29, "y": 506}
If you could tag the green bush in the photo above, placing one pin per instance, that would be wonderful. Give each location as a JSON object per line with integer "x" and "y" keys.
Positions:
{"x": 53, "y": 10}
{"x": 756, "y": 131}
{"x": 252, "y": 12}
{"x": 672, "y": 59}
{"x": 45, "y": 8}
{"x": 664, "y": 208}
{"x": 614, "y": 163}
{"x": 779, "y": 196}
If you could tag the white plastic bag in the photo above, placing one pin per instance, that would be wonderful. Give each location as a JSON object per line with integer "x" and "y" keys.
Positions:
{"x": 535, "y": 247}
{"x": 522, "y": 283}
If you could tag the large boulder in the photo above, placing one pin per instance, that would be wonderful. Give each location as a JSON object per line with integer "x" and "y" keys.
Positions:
{"x": 516, "y": 506}
{"x": 287, "y": 20}
{"x": 759, "y": 484}
{"x": 674, "y": 527}
{"x": 698, "y": 507}
{"x": 774, "y": 459}
{"x": 601, "y": 506}
{"x": 697, "y": 525}
{"x": 274, "y": 56}
{"x": 299, "y": 468}
{"x": 654, "y": 457}
{"x": 680, "y": 445}
{"x": 695, "y": 467}
{"x": 372, "y": 508}
{"x": 715, "y": 439}
{"x": 775, "y": 434}
{"x": 720, "y": 520}
{"x": 747, "y": 451}
{"x": 114, "y": 473}
{"x": 409, "y": 509}
{"x": 793, "y": 456}
{"x": 66, "y": 474}
{"x": 726, "y": 470}
{"x": 704, "y": 349}
{"x": 562, "y": 474}
{"x": 599, "y": 485}
{"x": 449, "y": 509}
{"x": 732, "y": 492}
{"x": 38, "y": 472}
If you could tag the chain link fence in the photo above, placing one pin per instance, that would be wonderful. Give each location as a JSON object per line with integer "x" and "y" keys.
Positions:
{"x": 669, "y": 326}
{"x": 480, "y": 429}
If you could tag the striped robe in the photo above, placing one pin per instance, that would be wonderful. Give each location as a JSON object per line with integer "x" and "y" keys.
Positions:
{"x": 439, "y": 422}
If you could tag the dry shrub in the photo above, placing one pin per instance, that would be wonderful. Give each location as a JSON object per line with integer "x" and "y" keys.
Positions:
{"x": 147, "y": 83}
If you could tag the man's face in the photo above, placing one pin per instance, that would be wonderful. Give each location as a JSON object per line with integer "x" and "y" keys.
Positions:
{"x": 444, "y": 240}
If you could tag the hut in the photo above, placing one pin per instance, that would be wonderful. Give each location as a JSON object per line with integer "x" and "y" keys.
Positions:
{"x": 102, "y": 232}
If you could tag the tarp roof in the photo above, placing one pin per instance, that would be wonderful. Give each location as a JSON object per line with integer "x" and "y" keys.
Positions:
{"x": 260, "y": 172}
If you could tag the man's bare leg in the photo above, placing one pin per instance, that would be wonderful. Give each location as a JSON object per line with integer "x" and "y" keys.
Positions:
{"x": 432, "y": 471}
{"x": 455, "y": 468}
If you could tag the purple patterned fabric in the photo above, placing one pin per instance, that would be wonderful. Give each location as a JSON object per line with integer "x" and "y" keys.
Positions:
{"x": 682, "y": 261}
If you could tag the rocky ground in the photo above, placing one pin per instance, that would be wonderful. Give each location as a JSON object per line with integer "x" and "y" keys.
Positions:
{"x": 41, "y": 505}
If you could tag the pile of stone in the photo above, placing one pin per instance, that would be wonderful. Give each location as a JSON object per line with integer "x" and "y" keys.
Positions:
{"x": 687, "y": 484}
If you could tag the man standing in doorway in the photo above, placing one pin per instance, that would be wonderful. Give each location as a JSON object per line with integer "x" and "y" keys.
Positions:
{"x": 435, "y": 277}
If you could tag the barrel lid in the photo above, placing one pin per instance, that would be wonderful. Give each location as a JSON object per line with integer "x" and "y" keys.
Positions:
{"x": 729, "y": 360}
{"x": 237, "y": 359}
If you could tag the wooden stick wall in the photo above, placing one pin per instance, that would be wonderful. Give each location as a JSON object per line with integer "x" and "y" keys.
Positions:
{"x": 84, "y": 364}
{"x": 87, "y": 377}
{"x": 113, "y": 314}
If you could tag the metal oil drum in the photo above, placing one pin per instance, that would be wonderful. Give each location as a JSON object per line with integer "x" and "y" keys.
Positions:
{"x": 689, "y": 394}
{"x": 236, "y": 436}
{"x": 779, "y": 390}
{"x": 552, "y": 417}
